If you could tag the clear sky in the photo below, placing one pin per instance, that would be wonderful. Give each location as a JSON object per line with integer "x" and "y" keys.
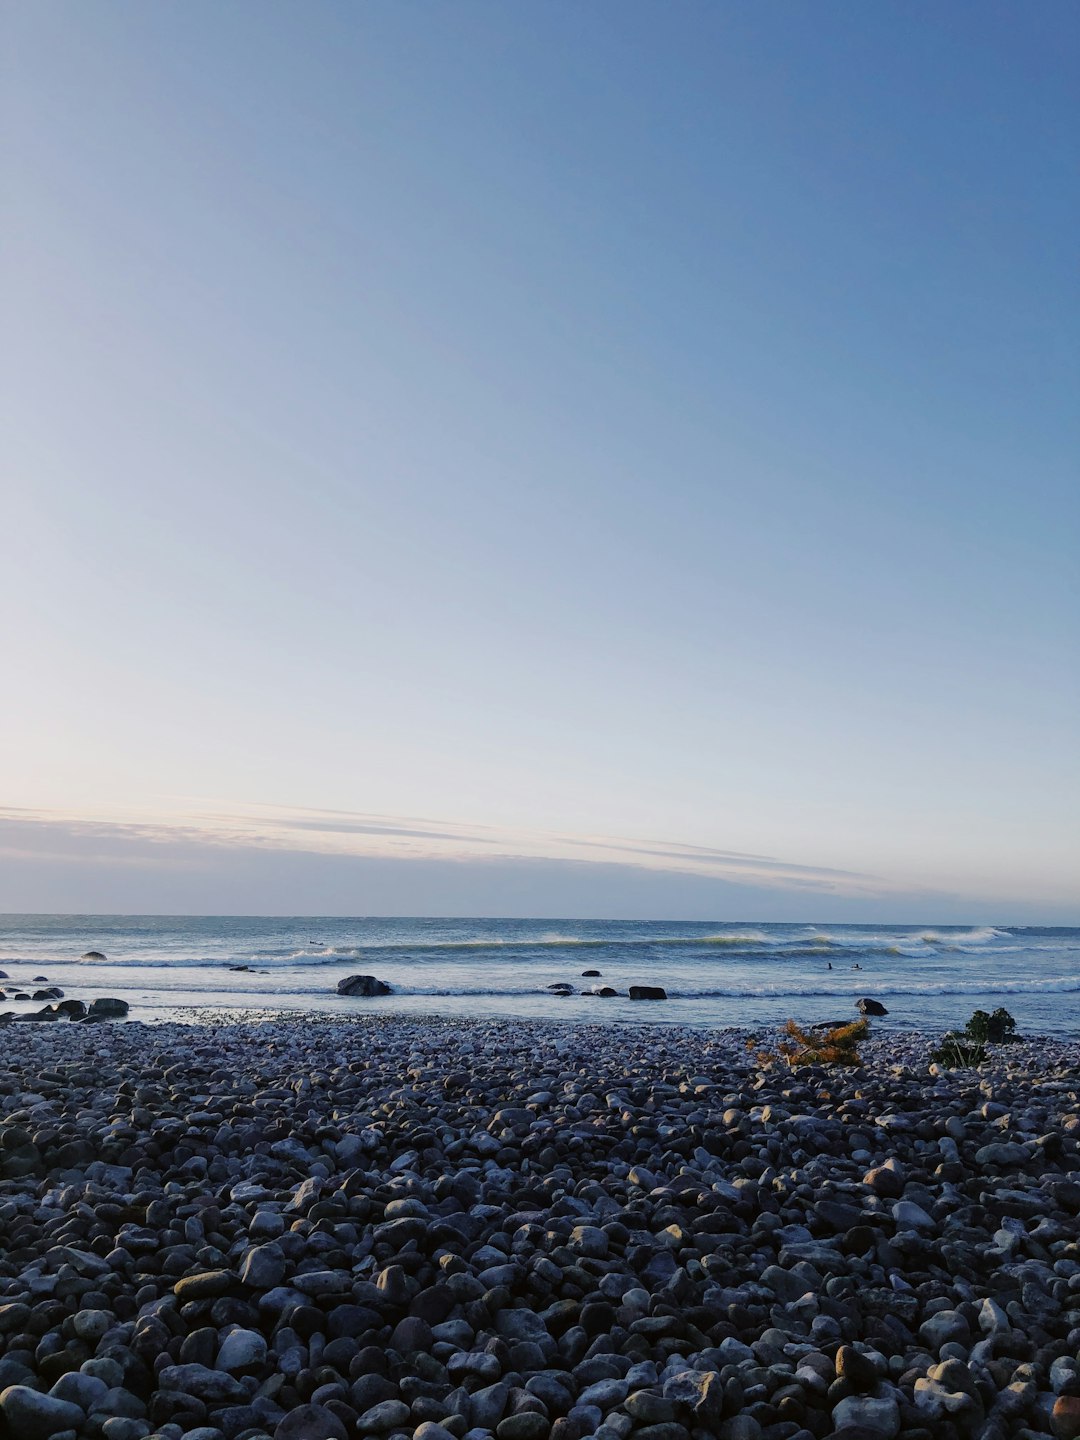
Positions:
{"x": 596, "y": 429}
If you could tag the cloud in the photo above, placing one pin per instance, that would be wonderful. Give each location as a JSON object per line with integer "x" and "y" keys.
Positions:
{"x": 264, "y": 861}
{"x": 342, "y": 833}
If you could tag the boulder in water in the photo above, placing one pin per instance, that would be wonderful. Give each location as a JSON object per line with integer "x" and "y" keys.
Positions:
{"x": 604, "y": 991}
{"x": 73, "y": 1009}
{"x": 648, "y": 992}
{"x": 590, "y": 974}
{"x": 364, "y": 985}
{"x": 4, "y": 975}
{"x": 561, "y": 988}
{"x": 52, "y": 993}
{"x": 866, "y": 1006}
{"x": 108, "y": 1008}
{"x": 92, "y": 955}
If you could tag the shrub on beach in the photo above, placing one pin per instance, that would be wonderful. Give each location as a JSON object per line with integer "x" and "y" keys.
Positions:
{"x": 961, "y": 1048}
{"x": 830, "y": 1045}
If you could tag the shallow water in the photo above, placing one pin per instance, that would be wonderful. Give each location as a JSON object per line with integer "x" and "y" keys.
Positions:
{"x": 716, "y": 974}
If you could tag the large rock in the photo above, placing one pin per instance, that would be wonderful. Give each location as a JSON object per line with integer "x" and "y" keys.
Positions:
{"x": 866, "y": 1006}
{"x": 108, "y": 1007}
{"x": 33, "y": 1416}
{"x": 92, "y": 955}
{"x": 364, "y": 985}
{"x": 647, "y": 992}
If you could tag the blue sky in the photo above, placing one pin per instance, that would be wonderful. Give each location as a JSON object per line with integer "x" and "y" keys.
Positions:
{"x": 593, "y": 423}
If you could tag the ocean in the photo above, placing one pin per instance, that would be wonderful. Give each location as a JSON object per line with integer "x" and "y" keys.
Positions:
{"x": 929, "y": 978}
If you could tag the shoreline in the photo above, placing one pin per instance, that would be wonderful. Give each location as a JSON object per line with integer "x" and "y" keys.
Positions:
{"x": 313, "y": 1228}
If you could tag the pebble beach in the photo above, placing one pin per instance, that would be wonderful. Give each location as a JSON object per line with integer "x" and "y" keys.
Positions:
{"x": 428, "y": 1229}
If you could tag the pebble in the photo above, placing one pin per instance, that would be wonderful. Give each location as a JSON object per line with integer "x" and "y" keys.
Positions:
{"x": 420, "y": 1229}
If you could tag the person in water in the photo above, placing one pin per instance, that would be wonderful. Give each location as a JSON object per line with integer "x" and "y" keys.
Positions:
{"x": 829, "y": 966}
{"x": 856, "y": 966}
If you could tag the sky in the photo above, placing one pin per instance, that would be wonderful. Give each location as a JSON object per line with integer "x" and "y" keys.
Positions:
{"x": 614, "y": 458}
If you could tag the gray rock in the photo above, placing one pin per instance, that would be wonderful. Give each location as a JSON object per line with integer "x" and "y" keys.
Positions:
{"x": 78, "y": 1388}
{"x": 589, "y": 1240}
{"x": 309, "y": 1422}
{"x": 363, "y": 985}
{"x": 880, "y": 1417}
{"x": 263, "y": 1268}
{"x": 605, "y": 1394}
{"x": 241, "y": 1350}
{"x": 1002, "y": 1152}
{"x": 213, "y": 1386}
{"x": 386, "y": 1416}
{"x": 487, "y": 1406}
{"x": 33, "y": 1416}
{"x": 107, "y": 1007}
{"x": 527, "y": 1425}
{"x": 910, "y": 1216}
{"x": 946, "y": 1325}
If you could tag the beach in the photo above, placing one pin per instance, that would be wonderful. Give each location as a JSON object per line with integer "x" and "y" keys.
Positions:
{"x": 417, "y": 1228}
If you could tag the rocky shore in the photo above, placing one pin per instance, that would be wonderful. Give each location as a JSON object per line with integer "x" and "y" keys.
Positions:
{"x": 429, "y": 1230}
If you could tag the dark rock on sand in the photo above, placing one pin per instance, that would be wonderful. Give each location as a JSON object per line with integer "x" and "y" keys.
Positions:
{"x": 647, "y": 992}
{"x": 363, "y": 985}
{"x": 107, "y": 1008}
{"x": 870, "y": 1007}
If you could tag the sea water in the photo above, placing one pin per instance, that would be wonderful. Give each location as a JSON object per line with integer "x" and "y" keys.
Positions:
{"x": 723, "y": 974}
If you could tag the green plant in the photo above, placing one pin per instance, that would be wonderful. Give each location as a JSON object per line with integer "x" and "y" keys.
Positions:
{"x": 961, "y": 1048}
{"x": 832, "y": 1045}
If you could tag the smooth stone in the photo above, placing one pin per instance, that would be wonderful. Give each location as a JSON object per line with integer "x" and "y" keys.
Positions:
{"x": 241, "y": 1350}
{"x": 208, "y": 1283}
{"x": 30, "y": 1415}
{"x": 527, "y": 1425}
{"x": 882, "y": 1417}
{"x": 386, "y": 1416}
{"x": 263, "y": 1267}
{"x": 78, "y": 1388}
{"x": 1065, "y": 1417}
{"x": 213, "y": 1386}
{"x": 310, "y": 1422}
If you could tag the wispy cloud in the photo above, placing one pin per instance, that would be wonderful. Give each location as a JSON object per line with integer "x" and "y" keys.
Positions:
{"x": 41, "y": 832}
